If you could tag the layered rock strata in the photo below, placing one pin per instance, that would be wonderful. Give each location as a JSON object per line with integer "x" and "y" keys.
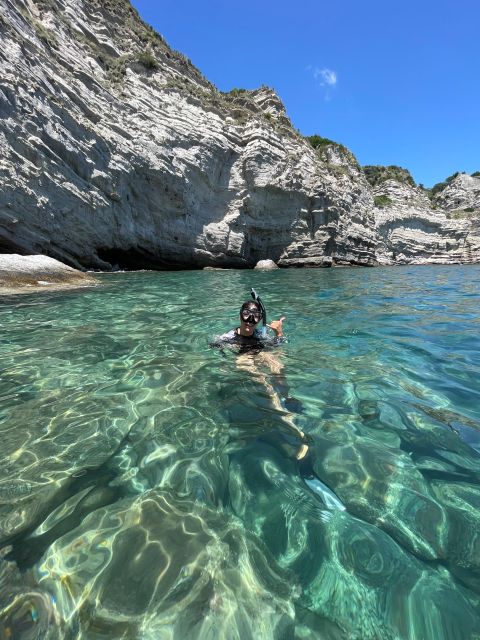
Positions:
{"x": 414, "y": 228}
{"x": 115, "y": 150}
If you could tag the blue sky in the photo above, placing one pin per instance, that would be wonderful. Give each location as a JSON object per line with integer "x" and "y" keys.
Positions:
{"x": 397, "y": 83}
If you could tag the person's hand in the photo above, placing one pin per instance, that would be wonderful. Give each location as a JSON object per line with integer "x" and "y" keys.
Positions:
{"x": 276, "y": 325}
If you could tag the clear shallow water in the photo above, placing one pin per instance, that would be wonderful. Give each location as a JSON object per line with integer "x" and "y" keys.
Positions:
{"x": 149, "y": 486}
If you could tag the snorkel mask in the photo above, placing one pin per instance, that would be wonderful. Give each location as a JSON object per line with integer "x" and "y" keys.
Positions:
{"x": 258, "y": 300}
{"x": 250, "y": 315}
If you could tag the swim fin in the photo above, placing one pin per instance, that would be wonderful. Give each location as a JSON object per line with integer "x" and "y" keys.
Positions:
{"x": 327, "y": 496}
{"x": 293, "y": 404}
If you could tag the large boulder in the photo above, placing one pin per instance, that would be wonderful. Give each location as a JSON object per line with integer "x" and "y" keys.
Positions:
{"x": 38, "y": 272}
{"x": 266, "y": 265}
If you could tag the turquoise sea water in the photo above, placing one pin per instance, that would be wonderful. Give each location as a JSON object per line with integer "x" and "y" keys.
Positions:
{"x": 149, "y": 485}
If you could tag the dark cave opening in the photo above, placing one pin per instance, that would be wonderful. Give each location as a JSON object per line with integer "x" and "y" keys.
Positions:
{"x": 330, "y": 247}
{"x": 8, "y": 246}
{"x": 134, "y": 258}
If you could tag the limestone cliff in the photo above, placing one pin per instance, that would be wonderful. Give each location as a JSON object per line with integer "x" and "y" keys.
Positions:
{"x": 418, "y": 226}
{"x": 114, "y": 149}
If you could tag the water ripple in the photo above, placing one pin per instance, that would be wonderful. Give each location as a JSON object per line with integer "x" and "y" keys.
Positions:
{"x": 150, "y": 487}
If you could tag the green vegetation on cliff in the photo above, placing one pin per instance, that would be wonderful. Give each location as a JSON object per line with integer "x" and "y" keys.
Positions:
{"x": 382, "y": 201}
{"x": 321, "y": 144}
{"x": 236, "y": 92}
{"x": 376, "y": 174}
{"x": 318, "y": 142}
{"x": 47, "y": 35}
{"x": 148, "y": 60}
{"x": 441, "y": 185}
{"x": 459, "y": 214}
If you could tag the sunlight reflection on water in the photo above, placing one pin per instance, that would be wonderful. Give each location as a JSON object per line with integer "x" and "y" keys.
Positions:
{"x": 149, "y": 486}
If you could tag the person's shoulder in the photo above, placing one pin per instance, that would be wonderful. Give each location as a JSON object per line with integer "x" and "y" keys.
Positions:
{"x": 224, "y": 339}
{"x": 229, "y": 335}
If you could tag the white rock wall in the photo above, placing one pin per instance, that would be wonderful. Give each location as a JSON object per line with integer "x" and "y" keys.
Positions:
{"x": 105, "y": 161}
{"x": 412, "y": 231}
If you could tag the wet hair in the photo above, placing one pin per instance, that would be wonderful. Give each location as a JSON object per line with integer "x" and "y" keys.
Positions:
{"x": 248, "y": 304}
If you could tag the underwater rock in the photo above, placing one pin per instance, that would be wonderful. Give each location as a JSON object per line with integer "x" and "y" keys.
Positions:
{"x": 381, "y": 485}
{"x": 180, "y": 451}
{"x": 462, "y": 503}
{"x": 356, "y": 581}
{"x": 159, "y": 566}
{"x": 433, "y": 434}
{"x": 57, "y": 454}
{"x": 433, "y": 467}
{"x": 367, "y": 575}
{"x": 26, "y": 611}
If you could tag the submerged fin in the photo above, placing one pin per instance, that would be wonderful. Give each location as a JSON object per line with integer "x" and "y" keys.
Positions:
{"x": 330, "y": 500}
{"x": 293, "y": 404}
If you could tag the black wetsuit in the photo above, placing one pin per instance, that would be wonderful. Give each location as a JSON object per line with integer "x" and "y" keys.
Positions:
{"x": 246, "y": 344}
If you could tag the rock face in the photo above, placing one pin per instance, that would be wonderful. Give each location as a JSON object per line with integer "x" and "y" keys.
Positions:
{"x": 38, "y": 272}
{"x": 415, "y": 228}
{"x": 115, "y": 150}
{"x": 462, "y": 193}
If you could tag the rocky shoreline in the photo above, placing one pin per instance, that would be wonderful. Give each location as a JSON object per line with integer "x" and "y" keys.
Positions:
{"x": 29, "y": 274}
{"x": 115, "y": 150}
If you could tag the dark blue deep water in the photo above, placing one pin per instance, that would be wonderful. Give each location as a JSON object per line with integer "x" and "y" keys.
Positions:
{"x": 150, "y": 485}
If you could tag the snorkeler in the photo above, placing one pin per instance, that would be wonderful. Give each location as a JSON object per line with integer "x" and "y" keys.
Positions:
{"x": 249, "y": 342}
{"x": 248, "y": 336}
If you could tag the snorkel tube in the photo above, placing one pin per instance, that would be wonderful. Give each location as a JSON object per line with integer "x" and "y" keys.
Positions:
{"x": 257, "y": 299}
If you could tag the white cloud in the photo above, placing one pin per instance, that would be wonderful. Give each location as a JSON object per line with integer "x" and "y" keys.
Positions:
{"x": 326, "y": 76}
